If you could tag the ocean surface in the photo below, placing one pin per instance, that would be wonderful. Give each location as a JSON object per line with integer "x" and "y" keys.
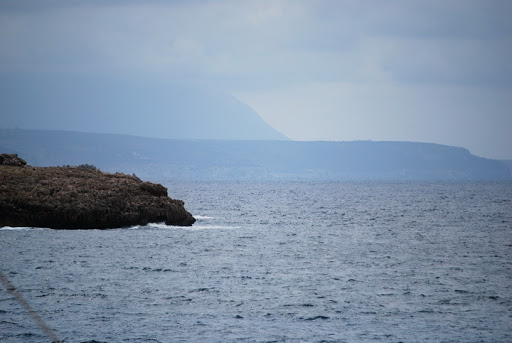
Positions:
{"x": 277, "y": 262}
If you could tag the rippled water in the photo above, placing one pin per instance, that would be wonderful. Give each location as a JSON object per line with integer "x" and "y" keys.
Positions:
{"x": 278, "y": 262}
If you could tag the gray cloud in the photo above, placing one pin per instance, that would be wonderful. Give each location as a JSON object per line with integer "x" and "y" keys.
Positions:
{"x": 254, "y": 43}
{"x": 471, "y": 19}
{"x": 263, "y": 50}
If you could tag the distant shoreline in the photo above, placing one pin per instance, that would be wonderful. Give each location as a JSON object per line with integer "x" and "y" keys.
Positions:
{"x": 181, "y": 159}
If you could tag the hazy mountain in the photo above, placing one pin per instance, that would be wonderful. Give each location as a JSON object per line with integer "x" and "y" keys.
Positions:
{"x": 158, "y": 159}
{"x": 508, "y": 163}
{"x": 143, "y": 107}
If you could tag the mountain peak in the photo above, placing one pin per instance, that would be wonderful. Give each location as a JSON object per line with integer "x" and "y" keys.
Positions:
{"x": 142, "y": 107}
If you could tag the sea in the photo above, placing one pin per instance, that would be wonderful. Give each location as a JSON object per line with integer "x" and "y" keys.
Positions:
{"x": 275, "y": 261}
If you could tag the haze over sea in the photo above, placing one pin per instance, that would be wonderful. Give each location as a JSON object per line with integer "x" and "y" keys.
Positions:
{"x": 278, "y": 262}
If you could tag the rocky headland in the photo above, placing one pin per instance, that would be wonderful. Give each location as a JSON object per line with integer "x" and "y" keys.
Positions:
{"x": 81, "y": 197}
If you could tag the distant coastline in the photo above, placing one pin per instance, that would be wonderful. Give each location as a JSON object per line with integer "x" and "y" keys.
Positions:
{"x": 179, "y": 159}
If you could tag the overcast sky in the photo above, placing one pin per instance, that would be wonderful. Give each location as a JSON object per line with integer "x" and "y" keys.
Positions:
{"x": 430, "y": 71}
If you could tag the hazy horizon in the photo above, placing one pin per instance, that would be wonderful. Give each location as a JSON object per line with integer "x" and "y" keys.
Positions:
{"x": 423, "y": 71}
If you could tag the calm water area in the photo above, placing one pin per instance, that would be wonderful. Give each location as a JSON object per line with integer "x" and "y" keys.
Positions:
{"x": 277, "y": 262}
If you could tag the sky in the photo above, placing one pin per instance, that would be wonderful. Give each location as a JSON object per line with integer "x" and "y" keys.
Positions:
{"x": 402, "y": 70}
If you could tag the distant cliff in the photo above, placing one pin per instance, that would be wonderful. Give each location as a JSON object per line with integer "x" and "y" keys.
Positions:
{"x": 81, "y": 198}
{"x": 160, "y": 159}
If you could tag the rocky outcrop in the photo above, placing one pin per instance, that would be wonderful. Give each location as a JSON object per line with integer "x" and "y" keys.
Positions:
{"x": 82, "y": 198}
{"x": 12, "y": 160}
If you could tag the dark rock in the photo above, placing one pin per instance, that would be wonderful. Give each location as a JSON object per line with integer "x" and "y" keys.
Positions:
{"x": 83, "y": 198}
{"x": 155, "y": 189}
{"x": 12, "y": 160}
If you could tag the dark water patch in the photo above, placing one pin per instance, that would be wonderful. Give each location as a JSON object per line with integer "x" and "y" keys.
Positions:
{"x": 44, "y": 295}
{"x": 316, "y": 318}
{"x": 10, "y": 323}
{"x": 149, "y": 269}
{"x": 299, "y": 305}
{"x": 203, "y": 289}
{"x": 461, "y": 291}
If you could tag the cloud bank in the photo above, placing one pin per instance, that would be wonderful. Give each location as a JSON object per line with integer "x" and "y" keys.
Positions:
{"x": 435, "y": 71}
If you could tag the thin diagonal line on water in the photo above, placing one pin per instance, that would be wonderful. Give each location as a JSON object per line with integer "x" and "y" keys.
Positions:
{"x": 33, "y": 314}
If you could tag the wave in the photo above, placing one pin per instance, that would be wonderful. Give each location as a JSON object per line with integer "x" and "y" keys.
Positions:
{"x": 212, "y": 227}
{"x": 137, "y": 227}
{"x": 193, "y": 227}
{"x": 203, "y": 217}
{"x": 150, "y": 226}
{"x": 21, "y": 228}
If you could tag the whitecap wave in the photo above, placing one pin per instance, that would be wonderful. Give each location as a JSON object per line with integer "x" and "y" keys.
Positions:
{"x": 203, "y": 217}
{"x": 20, "y": 228}
{"x": 212, "y": 227}
{"x": 150, "y": 226}
{"x": 193, "y": 227}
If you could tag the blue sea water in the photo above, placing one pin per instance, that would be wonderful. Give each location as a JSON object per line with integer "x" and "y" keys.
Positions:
{"x": 277, "y": 262}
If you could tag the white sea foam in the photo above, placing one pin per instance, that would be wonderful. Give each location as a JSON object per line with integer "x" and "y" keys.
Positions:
{"x": 12, "y": 228}
{"x": 172, "y": 227}
{"x": 20, "y": 228}
{"x": 196, "y": 227}
{"x": 203, "y": 217}
{"x": 158, "y": 226}
{"x": 212, "y": 227}
{"x": 193, "y": 227}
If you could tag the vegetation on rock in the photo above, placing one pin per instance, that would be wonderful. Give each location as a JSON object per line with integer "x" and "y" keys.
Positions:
{"x": 82, "y": 198}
